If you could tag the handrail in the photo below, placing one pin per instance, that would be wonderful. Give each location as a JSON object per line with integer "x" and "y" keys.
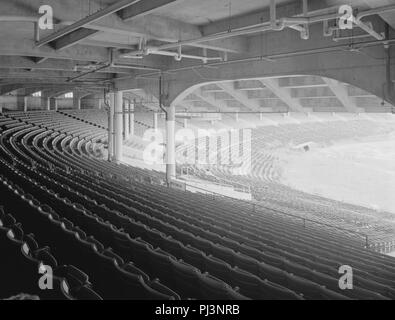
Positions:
{"x": 226, "y": 181}
{"x": 243, "y": 188}
{"x": 255, "y": 205}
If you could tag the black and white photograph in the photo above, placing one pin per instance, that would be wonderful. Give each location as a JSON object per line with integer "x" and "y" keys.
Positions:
{"x": 184, "y": 156}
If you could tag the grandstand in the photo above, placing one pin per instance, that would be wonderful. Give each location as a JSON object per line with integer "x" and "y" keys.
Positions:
{"x": 214, "y": 214}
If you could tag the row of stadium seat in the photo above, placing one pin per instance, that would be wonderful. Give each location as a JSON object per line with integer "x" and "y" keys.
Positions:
{"x": 258, "y": 254}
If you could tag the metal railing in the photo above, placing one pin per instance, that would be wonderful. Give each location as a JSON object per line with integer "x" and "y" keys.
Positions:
{"x": 254, "y": 206}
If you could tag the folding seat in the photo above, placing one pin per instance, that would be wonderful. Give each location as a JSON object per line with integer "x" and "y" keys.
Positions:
{"x": 383, "y": 287}
{"x": 311, "y": 290}
{"x": 54, "y": 216}
{"x": 82, "y": 293}
{"x": 15, "y": 233}
{"x": 172, "y": 246}
{"x": 194, "y": 257}
{"x": 141, "y": 252}
{"x": 247, "y": 263}
{"x": 218, "y": 268}
{"x": 99, "y": 246}
{"x": 363, "y": 294}
{"x": 109, "y": 253}
{"x": 81, "y": 233}
{"x": 134, "y": 228}
{"x": 213, "y": 288}
{"x": 17, "y": 274}
{"x": 7, "y": 221}
{"x": 224, "y": 253}
{"x": 114, "y": 282}
{"x": 159, "y": 287}
{"x": 67, "y": 223}
{"x": 43, "y": 256}
{"x": 202, "y": 244}
{"x": 187, "y": 279}
{"x": 273, "y": 274}
{"x": 248, "y": 284}
{"x": 160, "y": 266}
{"x": 136, "y": 288}
{"x": 31, "y": 242}
{"x": 73, "y": 275}
{"x": 118, "y": 217}
{"x": 131, "y": 268}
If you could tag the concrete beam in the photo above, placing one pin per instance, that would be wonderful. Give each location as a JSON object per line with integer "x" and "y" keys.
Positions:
{"x": 260, "y": 16}
{"x": 16, "y": 62}
{"x": 73, "y": 38}
{"x": 216, "y": 104}
{"x": 144, "y": 7}
{"x": 284, "y": 94}
{"x": 54, "y": 93}
{"x": 16, "y": 47}
{"x": 38, "y": 60}
{"x": 5, "y": 89}
{"x": 148, "y": 100}
{"x": 147, "y": 26}
{"x": 119, "y": 5}
{"x": 51, "y": 75}
{"x": 341, "y": 92}
{"x": 240, "y": 96}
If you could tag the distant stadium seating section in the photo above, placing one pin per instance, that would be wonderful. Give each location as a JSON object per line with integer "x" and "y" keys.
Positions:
{"x": 263, "y": 178}
{"x": 109, "y": 233}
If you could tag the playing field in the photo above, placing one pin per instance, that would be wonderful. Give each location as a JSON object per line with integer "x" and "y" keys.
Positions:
{"x": 356, "y": 172}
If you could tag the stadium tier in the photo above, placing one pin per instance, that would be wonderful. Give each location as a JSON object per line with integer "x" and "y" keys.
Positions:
{"x": 197, "y": 150}
{"x": 108, "y": 234}
{"x": 272, "y": 145}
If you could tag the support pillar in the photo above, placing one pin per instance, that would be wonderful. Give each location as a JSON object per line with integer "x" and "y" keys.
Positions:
{"x": 237, "y": 117}
{"x": 77, "y": 102}
{"x": 131, "y": 119}
{"x": 118, "y": 126}
{"x": 155, "y": 121}
{"x": 170, "y": 144}
{"x": 111, "y": 128}
{"x": 389, "y": 84}
{"x": 126, "y": 127}
{"x": 185, "y": 123}
{"x": 56, "y": 104}
{"x": 25, "y": 103}
{"x": 48, "y": 102}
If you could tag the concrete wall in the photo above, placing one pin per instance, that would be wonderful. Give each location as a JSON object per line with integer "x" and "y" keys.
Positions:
{"x": 17, "y": 102}
{"x": 9, "y": 102}
{"x": 90, "y": 103}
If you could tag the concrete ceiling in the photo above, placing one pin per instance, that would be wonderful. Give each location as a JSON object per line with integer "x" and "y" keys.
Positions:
{"x": 197, "y": 12}
{"x": 365, "y": 4}
{"x": 304, "y": 94}
{"x": 84, "y": 52}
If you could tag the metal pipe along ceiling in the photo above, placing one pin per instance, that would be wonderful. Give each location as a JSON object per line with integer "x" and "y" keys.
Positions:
{"x": 273, "y": 25}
